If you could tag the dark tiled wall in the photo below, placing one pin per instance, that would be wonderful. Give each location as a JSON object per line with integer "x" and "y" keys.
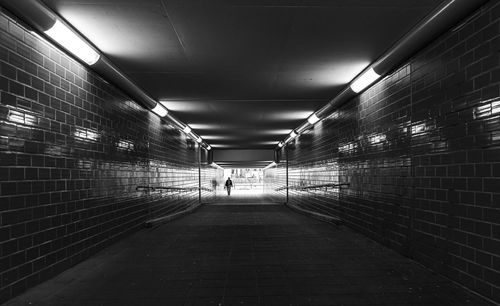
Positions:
{"x": 420, "y": 151}
{"x": 73, "y": 150}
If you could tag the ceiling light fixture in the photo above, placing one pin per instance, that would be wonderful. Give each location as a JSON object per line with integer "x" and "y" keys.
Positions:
{"x": 269, "y": 166}
{"x": 160, "y": 110}
{"x": 365, "y": 80}
{"x": 313, "y": 119}
{"x": 64, "y": 36}
{"x": 187, "y": 129}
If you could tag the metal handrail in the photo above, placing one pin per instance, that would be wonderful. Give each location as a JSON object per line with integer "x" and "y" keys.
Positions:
{"x": 172, "y": 189}
{"x": 326, "y": 186}
{"x": 145, "y": 188}
{"x": 322, "y": 186}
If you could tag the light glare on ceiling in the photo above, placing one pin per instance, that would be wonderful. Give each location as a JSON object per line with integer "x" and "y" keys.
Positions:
{"x": 365, "y": 80}
{"x": 72, "y": 42}
{"x": 160, "y": 110}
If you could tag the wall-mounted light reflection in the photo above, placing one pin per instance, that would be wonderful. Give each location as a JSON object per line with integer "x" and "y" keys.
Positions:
{"x": 348, "y": 147}
{"x": 487, "y": 108}
{"x": 377, "y": 139}
{"x": 418, "y": 128}
{"x": 86, "y": 134}
{"x": 125, "y": 145}
{"x": 495, "y": 107}
{"x": 19, "y": 117}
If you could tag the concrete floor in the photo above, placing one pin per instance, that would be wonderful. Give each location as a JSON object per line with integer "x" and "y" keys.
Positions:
{"x": 239, "y": 254}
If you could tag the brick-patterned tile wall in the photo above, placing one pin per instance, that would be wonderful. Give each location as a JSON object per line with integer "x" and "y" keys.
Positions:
{"x": 210, "y": 178}
{"x": 420, "y": 151}
{"x": 274, "y": 179}
{"x": 73, "y": 149}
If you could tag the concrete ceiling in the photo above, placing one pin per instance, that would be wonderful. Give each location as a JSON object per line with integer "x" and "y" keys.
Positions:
{"x": 243, "y": 73}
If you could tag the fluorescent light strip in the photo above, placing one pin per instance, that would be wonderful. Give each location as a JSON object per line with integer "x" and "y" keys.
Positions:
{"x": 160, "y": 110}
{"x": 365, "y": 80}
{"x": 269, "y": 166}
{"x": 313, "y": 119}
{"x": 72, "y": 42}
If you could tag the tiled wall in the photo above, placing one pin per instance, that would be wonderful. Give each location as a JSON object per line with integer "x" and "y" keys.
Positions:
{"x": 209, "y": 178}
{"x": 420, "y": 151}
{"x": 275, "y": 182}
{"x": 73, "y": 150}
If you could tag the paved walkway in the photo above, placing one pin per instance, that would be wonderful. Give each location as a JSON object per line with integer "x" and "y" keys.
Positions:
{"x": 241, "y": 197}
{"x": 247, "y": 255}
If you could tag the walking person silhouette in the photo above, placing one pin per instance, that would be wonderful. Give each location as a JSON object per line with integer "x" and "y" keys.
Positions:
{"x": 228, "y": 186}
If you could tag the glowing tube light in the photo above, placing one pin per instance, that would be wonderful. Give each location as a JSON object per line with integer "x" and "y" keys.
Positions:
{"x": 160, "y": 110}
{"x": 313, "y": 119}
{"x": 187, "y": 129}
{"x": 269, "y": 166}
{"x": 72, "y": 42}
{"x": 365, "y": 80}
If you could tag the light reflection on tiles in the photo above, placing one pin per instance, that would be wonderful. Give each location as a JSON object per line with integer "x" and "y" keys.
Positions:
{"x": 377, "y": 139}
{"x": 86, "y": 134}
{"x": 125, "y": 145}
{"x": 20, "y": 117}
{"x": 418, "y": 128}
{"x": 487, "y": 108}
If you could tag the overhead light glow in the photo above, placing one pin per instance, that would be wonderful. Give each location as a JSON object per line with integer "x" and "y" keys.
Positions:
{"x": 72, "y": 42}
{"x": 187, "y": 129}
{"x": 313, "y": 119}
{"x": 160, "y": 110}
{"x": 365, "y": 80}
